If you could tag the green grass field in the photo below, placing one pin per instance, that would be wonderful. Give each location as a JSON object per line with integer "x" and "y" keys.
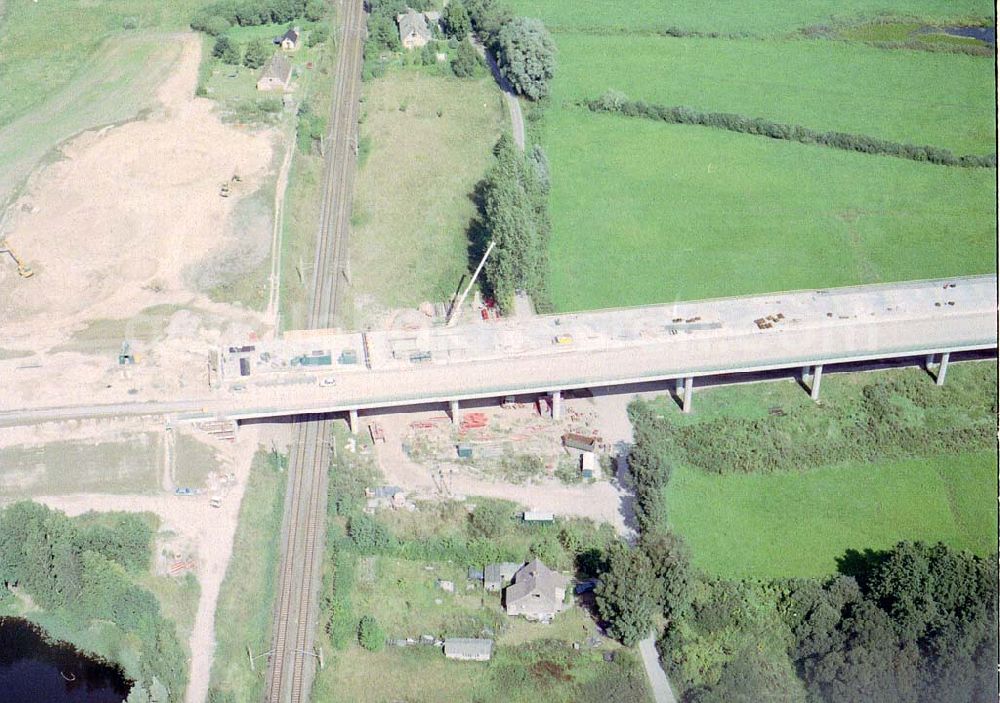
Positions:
{"x": 431, "y": 139}
{"x": 116, "y": 82}
{"x": 913, "y": 97}
{"x": 644, "y": 212}
{"x": 734, "y": 17}
{"x": 243, "y": 614}
{"x": 791, "y": 525}
{"x": 127, "y": 467}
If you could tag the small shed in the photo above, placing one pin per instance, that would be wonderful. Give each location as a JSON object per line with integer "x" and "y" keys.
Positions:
{"x": 538, "y": 516}
{"x": 468, "y": 649}
{"x": 589, "y": 466}
{"x": 277, "y": 74}
{"x": 290, "y": 39}
{"x": 464, "y": 451}
{"x": 475, "y": 574}
{"x": 496, "y": 576}
{"x": 585, "y": 443}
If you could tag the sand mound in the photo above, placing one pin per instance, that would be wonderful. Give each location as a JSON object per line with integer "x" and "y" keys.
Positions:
{"x": 110, "y": 228}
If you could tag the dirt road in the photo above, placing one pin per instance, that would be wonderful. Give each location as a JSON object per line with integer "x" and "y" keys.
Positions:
{"x": 208, "y": 532}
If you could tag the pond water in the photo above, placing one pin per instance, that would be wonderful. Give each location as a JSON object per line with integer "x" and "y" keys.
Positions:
{"x": 35, "y": 671}
{"x": 985, "y": 34}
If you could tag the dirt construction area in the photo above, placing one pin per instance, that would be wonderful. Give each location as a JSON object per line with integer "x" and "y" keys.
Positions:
{"x": 124, "y": 221}
{"x": 517, "y": 455}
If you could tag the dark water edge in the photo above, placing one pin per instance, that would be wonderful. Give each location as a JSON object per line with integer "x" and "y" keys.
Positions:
{"x": 987, "y": 35}
{"x": 35, "y": 671}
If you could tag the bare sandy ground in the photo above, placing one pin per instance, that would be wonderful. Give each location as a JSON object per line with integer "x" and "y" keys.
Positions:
{"x": 112, "y": 227}
{"x": 208, "y": 532}
{"x": 606, "y": 501}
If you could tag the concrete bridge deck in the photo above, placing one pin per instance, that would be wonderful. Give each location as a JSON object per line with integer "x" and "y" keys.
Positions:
{"x": 686, "y": 341}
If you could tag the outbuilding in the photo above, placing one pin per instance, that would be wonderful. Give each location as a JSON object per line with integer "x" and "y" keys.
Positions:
{"x": 468, "y": 649}
{"x": 277, "y": 74}
{"x": 413, "y": 30}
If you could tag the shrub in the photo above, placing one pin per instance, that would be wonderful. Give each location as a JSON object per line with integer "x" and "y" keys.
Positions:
{"x": 318, "y": 35}
{"x": 466, "y": 60}
{"x": 257, "y": 53}
{"x": 615, "y": 101}
{"x": 490, "y": 520}
{"x": 370, "y": 634}
{"x": 526, "y": 56}
{"x": 368, "y": 534}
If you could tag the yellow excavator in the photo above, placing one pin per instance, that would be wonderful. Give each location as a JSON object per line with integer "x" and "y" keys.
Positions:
{"x": 22, "y": 270}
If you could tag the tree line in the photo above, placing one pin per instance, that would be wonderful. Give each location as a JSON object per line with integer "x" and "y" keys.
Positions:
{"x": 915, "y": 623}
{"x": 217, "y": 17}
{"x": 615, "y": 102}
{"x": 513, "y": 213}
{"x": 87, "y": 569}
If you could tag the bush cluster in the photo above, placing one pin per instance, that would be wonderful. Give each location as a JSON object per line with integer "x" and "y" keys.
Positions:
{"x": 87, "y": 569}
{"x": 874, "y": 429}
{"x": 613, "y": 101}
{"x": 219, "y": 16}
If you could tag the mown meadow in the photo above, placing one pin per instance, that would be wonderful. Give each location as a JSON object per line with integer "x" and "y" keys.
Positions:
{"x": 645, "y": 212}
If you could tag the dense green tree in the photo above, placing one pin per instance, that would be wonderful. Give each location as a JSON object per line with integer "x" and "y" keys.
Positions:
{"x": 627, "y": 594}
{"x": 382, "y": 33}
{"x": 526, "y": 56}
{"x": 370, "y": 634}
{"x": 318, "y": 35}
{"x": 466, "y": 60}
{"x": 315, "y": 10}
{"x": 670, "y": 560}
{"x": 368, "y": 534}
{"x": 455, "y": 20}
{"x": 257, "y": 53}
{"x": 490, "y": 520}
{"x": 487, "y": 17}
{"x": 514, "y": 216}
{"x": 222, "y": 44}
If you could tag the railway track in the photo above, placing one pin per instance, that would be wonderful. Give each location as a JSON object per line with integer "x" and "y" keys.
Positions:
{"x": 292, "y": 662}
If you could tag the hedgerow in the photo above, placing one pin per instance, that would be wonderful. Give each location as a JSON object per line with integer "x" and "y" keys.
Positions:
{"x": 615, "y": 102}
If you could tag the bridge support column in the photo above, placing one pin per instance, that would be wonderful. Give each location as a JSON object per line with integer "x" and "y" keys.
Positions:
{"x": 352, "y": 418}
{"x": 942, "y": 369}
{"x": 453, "y": 411}
{"x": 817, "y": 376}
{"x": 688, "y": 388}
{"x": 556, "y": 405}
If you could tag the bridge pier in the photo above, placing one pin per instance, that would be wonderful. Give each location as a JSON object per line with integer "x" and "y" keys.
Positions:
{"x": 817, "y": 376}
{"x": 453, "y": 411}
{"x": 811, "y": 377}
{"x": 688, "y": 388}
{"x": 940, "y": 369}
{"x": 352, "y": 418}
{"x": 556, "y": 405}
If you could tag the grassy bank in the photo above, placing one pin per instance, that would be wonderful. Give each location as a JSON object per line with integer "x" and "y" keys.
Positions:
{"x": 244, "y": 612}
{"x": 767, "y": 18}
{"x": 428, "y": 141}
{"x": 799, "y": 524}
{"x": 912, "y": 97}
{"x": 743, "y": 519}
{"x": 736, "y": 214}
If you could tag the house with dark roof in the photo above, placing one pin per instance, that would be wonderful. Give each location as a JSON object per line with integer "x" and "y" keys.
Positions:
{"x": 413, "y": 29}
{"x": 468, "y": 649}
{"x": 289, "y": 41}
{"x": 277, "y": 74}
{"x": 538, "y": 592}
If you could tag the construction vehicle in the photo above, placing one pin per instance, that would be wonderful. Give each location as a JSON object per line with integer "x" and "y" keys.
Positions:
{"x": 22, "y": 270}
{"x": 126, "y": 357}
{"x": 225, "y": 188}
